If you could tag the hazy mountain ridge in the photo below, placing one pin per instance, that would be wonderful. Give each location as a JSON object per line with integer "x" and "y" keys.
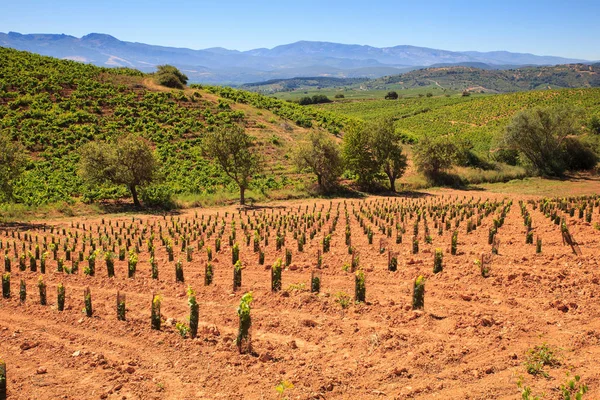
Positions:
{"x": 222, "y": 65}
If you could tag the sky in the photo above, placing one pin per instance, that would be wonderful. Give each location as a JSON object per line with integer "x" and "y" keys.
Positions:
{"x": 568, "y": 28}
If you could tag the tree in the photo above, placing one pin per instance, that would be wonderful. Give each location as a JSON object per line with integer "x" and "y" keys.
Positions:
{"x": 359, "y": 156}
{"x": 391, "y": 95}
{"x": 231, "y": 148}
{"x": 434, "y": 155}
{"x": 321, "y": 156}
{"x": 168, "y": 75}
{"x": 539, "y": 134}
{"x": 129, "y": 161}
{"x": 12, "y": 164}
{"x": 387, "y": 149}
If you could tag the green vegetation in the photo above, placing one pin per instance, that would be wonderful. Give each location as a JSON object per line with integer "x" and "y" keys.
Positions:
{"x": 321, "y": 156}
{"x": 478, "y": 119}
{"x": 243, "y": 338}
{"x": 54, "y": 107}
{"x": 539, "y": 357}
{"x": 129, "y": 161}
{"x": 233, "y": 150}
{"x": 169, "y": 76}
{"x": 12, "y": 164}
{"x": 547, "y": 138}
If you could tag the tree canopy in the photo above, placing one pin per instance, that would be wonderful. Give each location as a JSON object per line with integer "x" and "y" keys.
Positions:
{"x": 128, "y": 161}
{"x": 321, "y": 156}
{"x": 539, "y": 134}
{"x": 232, "y": 149}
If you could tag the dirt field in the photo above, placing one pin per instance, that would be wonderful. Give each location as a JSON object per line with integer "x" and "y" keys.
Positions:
{"x": 470, "y": 341}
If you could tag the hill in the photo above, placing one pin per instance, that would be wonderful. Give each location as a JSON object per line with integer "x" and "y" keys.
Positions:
{"x": 476, "y": 77}
{"x": 219, "y": 65}
{"x": 55, "y": 106}
{"x": 494, "y": 80}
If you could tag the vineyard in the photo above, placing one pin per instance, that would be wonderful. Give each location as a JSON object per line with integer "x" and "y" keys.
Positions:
{"x": 478, "y": 118}
{"x": 448, "y": 295}
{"x": 53, "y": 107}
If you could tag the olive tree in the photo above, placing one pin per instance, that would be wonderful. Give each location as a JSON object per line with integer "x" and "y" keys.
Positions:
{"x": 435, "y": 155}
{"x": 232, "y": 149}
{"x": 359, "y": 155}
{"x": 387, "y": 149}
{"x": 12, "y": 164}
{"x": 539, "y": 134}
{"x": 321, "y": 156}
{"x": 129, "y": 161}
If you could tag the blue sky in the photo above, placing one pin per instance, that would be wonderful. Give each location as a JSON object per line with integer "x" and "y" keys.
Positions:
{"x": 568, "y": 28}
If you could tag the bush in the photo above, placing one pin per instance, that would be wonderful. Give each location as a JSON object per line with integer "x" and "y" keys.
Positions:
{"x": 159, "y": 196}
{"x": 391, "y": 95}
{"x": 169, "y": 76}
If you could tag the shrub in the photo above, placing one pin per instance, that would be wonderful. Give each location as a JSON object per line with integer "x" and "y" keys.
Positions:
{"x": 169, "y": 76}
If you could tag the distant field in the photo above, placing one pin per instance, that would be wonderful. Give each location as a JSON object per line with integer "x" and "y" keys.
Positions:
{"x": 356, "y": 92}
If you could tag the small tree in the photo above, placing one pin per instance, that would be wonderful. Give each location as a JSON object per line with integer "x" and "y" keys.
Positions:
{"x": 129, "y": 161}
{"x": 387, "y": 149}
{"x": 168, "y": 75}
{"x": 359, "y": 155}
{"x": 391, "y": 95}
{"x": 12, "y": 164}
{"x": 321, "y": 156}
{"x": 231, "y": 148}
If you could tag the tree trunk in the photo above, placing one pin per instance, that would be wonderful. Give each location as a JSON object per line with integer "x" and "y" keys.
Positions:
{"x": 242, "y": 195}
{"x": 392, "y": 183}
{"x": 320, "y": 181}
{"x": 136, "y": 201}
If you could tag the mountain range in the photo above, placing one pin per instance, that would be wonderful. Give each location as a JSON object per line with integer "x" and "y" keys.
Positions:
{"x": 304, "y": 58}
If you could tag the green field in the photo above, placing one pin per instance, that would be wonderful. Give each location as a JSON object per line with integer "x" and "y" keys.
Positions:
{"x": 477, "y": 118}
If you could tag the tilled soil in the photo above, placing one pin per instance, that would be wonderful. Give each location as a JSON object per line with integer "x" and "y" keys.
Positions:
{"x": 469, "y": 342}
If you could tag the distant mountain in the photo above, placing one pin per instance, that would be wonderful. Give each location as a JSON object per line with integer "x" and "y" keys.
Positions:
{"x": 219, "y": 65}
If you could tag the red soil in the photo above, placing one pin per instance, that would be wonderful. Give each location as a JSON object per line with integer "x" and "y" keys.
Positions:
{"x": 470, "y": 342}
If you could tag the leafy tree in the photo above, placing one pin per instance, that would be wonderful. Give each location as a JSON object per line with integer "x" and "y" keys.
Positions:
{"x": 231, "y": 148}
{"x": 387, "y": 149}
{"x": 12, "y": 164}
{"x": 359, "y": 155}
{"x": 321, "y": 156}
{"x": 435, "y": 155}
{"x": 539, "y": 134}
{"x": 391, "y": 95}
{"x": 168, "y": 75}
{"x": 128, "y": 161}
